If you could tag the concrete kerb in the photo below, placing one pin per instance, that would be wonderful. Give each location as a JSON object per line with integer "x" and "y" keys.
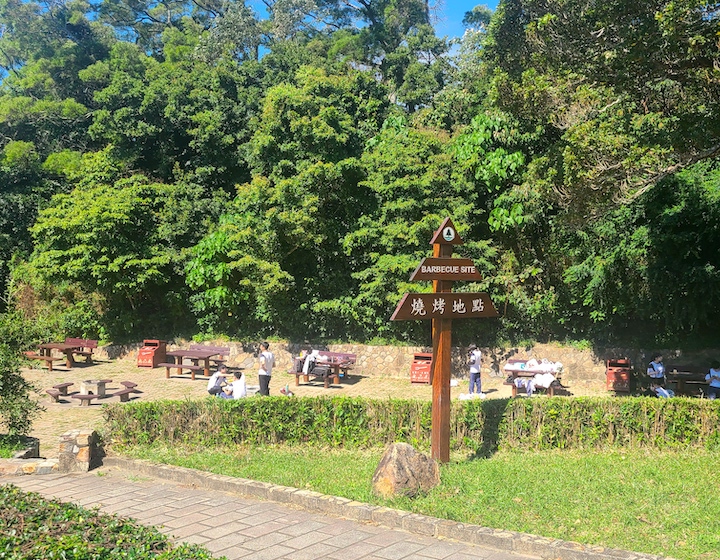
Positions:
{"x": 554, "y": 549}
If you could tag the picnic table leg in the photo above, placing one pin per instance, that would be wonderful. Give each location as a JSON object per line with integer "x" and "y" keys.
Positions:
{"x": 680, "y": 387}
{"x": 69, "y": 362}
{"x": 207, "y": 367}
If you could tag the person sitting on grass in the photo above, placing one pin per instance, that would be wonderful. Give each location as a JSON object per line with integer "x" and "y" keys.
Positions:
{"x": 237, "y": 389}
{"x": 661, "y": 391}
{"x": 217, "y": 380}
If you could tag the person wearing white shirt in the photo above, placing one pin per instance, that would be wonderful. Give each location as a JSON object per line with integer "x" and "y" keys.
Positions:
{"x": 217, "y": 380}
{"x": 236, "y": 389}
{"x": 474, "y": 360}
{"x": 656, "y": 370}
{"x": 267, "y": 361}
{"x": 713, "y": 377}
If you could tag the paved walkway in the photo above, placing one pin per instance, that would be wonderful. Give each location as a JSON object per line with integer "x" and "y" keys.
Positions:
{"x": 239, "y": 527}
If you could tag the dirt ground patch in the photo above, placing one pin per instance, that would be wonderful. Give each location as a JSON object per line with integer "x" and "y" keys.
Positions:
{"x": 66, "y": 415}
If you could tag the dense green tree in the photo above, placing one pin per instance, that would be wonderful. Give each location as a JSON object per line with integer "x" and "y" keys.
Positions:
{"x": 282, "y": 236}
{"x": 626, "y": 93}
{"x": 126, "y": 245}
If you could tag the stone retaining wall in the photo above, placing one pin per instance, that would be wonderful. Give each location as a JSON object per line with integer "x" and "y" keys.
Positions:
{"x": 395, "y": 361}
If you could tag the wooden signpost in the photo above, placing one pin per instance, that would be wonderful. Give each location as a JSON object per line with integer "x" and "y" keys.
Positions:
{"x": 442, "y": 306}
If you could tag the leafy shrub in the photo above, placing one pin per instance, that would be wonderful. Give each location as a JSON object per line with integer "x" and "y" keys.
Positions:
{"x": 479, "y": 426}
{"x": 32, "y": 527}
{"x": 17, "y": 409}
{"x": 9, "y": 445}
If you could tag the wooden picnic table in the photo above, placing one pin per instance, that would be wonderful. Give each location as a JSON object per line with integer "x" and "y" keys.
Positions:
{"x": 682, "y": 378}
{"x": 193, "y": 354}
{"x": 68, "y": 349}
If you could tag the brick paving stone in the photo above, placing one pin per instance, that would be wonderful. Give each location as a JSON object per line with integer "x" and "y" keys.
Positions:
{"x": 263, "y": 529}
{"x": 264, "y": 541}
{"x": 307, "y": 526}
{"x": 318, "y": 550}
{"x": 399, "y": 550}
{"x": 349, "y": 537}
{"x": 182, "y": 520}
{"x": 238, "y": 527}
{"x": 354, "y": 551}
{"x": 222, "y": 529}
{"x": 237, "y": 553}
{"x": 301, "y": 541}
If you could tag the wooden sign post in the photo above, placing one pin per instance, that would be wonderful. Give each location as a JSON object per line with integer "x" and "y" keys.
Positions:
{"x": 442, "y": 306}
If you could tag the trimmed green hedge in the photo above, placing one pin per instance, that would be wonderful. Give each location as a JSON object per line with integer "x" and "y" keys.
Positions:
{"x": 32, "y": 527}
{"x": 480, "y": 426}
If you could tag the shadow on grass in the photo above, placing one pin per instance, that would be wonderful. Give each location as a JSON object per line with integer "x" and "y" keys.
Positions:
{"x": 494, "y": 412}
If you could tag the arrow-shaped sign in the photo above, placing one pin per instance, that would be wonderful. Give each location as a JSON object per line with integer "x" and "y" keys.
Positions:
{"x": 444, "y": 305}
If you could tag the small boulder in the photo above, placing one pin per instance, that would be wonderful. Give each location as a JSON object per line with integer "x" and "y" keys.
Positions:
{"x": 402, "y": 470}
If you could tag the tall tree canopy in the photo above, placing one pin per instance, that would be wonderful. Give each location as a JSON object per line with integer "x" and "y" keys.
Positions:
{"x": 278, "y": 168}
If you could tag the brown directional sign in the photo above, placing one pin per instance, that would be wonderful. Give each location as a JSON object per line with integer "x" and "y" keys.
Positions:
{"x": 446, "y": 269}
{"x": 446, "y": 235}
{"x": 448, "y": 305}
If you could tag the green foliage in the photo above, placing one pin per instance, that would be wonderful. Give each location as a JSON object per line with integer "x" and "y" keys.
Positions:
{"x": 574, "y": 148}
{"x": 98, "y": 250}
{"x": 17, "y": 408}
{"x": 33, "y": 527}
{"x": 481, "y": 427}
{"x": 335, "y": 421}
{"x": 11, "y": 444}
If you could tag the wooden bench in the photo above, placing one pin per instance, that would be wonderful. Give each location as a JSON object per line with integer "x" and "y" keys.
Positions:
{"x": 55, "y": 394}
{"x": 86, "y": 347}
{"x": 128, "y": 384}
{"x": 688, "y": 380}
{"x": 47, "y": 359}
{"x": 85, "y": 400}
{"x": 63, "y": 387}
{"x": 192, "y": 367}
{"x": 221, "y": 350}
{"x": 124, "y": 394}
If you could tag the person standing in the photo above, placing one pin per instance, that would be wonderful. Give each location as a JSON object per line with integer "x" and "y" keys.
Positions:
{"x": 267, "y": 361}
{"x": 474, "y": 360}
{"x": 714, "y": 379}
{"x": 656, "y": 370}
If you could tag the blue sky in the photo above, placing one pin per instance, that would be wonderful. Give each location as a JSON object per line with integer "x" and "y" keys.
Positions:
{"x": 449, "y": 14}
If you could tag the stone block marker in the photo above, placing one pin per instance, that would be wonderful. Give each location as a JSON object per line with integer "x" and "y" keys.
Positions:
{"x": 402, "y": 470}
{"x": 79, "y": 451}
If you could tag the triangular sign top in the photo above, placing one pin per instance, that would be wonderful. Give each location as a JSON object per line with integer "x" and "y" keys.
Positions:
{"x": 447, "y": 234}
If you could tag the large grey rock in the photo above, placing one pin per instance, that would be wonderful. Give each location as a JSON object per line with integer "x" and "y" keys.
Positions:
{"x": 402, "y": 470}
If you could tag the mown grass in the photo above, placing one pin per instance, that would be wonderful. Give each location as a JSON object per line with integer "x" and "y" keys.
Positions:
{"x": 646, "y": 501}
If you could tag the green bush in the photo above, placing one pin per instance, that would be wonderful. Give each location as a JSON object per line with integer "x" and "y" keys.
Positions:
{"x": 9, "y": 445}
{"x": 17, "y": 409}
{"x": 478, "y": 426}
{"x": 32, "y": 527}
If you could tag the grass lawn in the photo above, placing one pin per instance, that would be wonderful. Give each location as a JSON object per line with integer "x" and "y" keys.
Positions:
{"x": 644, "y": 501}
